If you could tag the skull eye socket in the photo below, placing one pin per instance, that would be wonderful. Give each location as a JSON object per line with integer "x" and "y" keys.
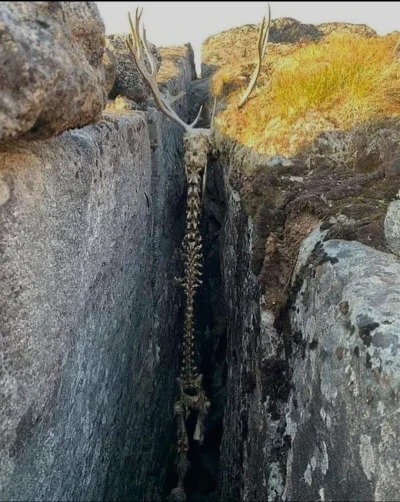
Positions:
{"x": 191, "y": 391}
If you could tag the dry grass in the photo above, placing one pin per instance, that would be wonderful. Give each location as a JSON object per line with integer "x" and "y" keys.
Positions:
{"x": 343, "y": 80}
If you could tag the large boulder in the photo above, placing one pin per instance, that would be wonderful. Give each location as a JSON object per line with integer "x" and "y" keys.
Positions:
{"x": 128, "y": 80}
{"x": 51, "y": 71}
{"x": 342, "y": 420}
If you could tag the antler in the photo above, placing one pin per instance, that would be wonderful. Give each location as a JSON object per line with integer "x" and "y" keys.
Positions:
{"x": 134, "y": 41}
{"x": 262, "y": 49}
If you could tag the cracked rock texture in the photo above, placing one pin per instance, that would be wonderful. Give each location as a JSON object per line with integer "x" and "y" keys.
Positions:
{"x": 89, "y": 226}
{"x": 128, "y": 81}
{"x": 392, "y": 227}
{"x": 51, "y": 71}
{"x": 312, "y": 388}
{"x": 109, "y": 62}
{"x": 342, "y": 418}
{"x": 251, "y": 465}
{"x": 311, "y": 366}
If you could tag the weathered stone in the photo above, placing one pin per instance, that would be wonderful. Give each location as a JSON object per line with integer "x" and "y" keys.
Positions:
{"x": 279, "y": 160}
{"x": 262, "y": 414}
{"x": 342, "y": 419}
{"x": 176, "y": 73}
{"x": 128, "y": 80}
{"x": 90, "y": 223}
{"x": 199, "y": 95}
{"x": 261, "y": 356}
{"x": 392, "y": 227}
{"x": 51, "y": 71}
{"x": 289, "y": 30}
{"x": 361, "y": 30}
{"x": 109, "y": 63}
{"x": 251, "y": 465}
{"x": 239, "y": 44}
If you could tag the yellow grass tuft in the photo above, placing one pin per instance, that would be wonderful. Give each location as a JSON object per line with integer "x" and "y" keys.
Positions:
{"x": 344, "y": 79}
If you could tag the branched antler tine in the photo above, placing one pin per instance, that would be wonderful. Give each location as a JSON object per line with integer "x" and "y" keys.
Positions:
{"x": 138, "y": 16}
{"x": 265, "y": 44}
{"x": 150, "y": 57}
{"x": 134, "y": 44}
{"x": 130, "y": 22}
{"x": 266, "y": 32}
{"x": 131, "y": 39}
{"x": 261, "y": 50}
{"x": 261, "y": 36}
{"x": 128, "y": 43}
{"x": 197, "y": 117}
{"x": 134, "y": 36}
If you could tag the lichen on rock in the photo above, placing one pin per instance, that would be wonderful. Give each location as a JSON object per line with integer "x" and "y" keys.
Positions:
{"x": 55, "y": 49}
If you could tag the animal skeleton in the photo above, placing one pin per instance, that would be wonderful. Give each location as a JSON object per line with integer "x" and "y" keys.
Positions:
{"x": 198, "y": 144}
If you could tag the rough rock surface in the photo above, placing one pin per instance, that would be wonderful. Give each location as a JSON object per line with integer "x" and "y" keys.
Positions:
{"x": 51, "y": 71}
{"x": 259, "y": 361}
{"x": 199, "y": 95}
{"x": 240, "y": 296}
{"x": 342, "y": 418}
{"x": 90, "y": 222}
{"x": 128, "y": 80}
{"x": 177, "y": 73}
{"x": 251, "y": 451}
{"x": 289, "y": 30}
{"x": 269, "y": 358}
{"x": 239, "y": 44}
{"x": 287, "y": 201}
{"x": 109, "y": 62}
{"x": 392, "y": 227}
{"x": 361, "y": 30}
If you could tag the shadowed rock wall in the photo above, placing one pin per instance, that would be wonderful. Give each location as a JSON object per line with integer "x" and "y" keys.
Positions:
{"x": 90, "y": 222}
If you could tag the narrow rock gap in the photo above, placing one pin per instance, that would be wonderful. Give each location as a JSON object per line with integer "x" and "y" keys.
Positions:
{"x": 201, "y": 480}
{"x": 212, "y": 331}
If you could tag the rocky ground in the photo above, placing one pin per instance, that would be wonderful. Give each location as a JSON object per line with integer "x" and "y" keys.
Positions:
{"x": 344, "y": 178}
{"x": 297, "y": 323}
{"x": 308, "y": 382}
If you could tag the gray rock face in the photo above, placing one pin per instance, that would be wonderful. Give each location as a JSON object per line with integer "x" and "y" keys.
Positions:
{"x": 89, "y": 313}
{"x": 250, "y": 463}
{"x": 342, "y": 416}
{"x": 199, "y": 95}
{"x": 51, "y": 71}
{"x": 176, "y": 74}
{"x": 392, "y": 227}
{"x": 288, "y": 30}
{"x": 90, "y": 222}
{"x": 240, "y": 295}
{"x": 128, "y": 80}
{"x": 110, "y": 69}
{"x": 311, "y": 393}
